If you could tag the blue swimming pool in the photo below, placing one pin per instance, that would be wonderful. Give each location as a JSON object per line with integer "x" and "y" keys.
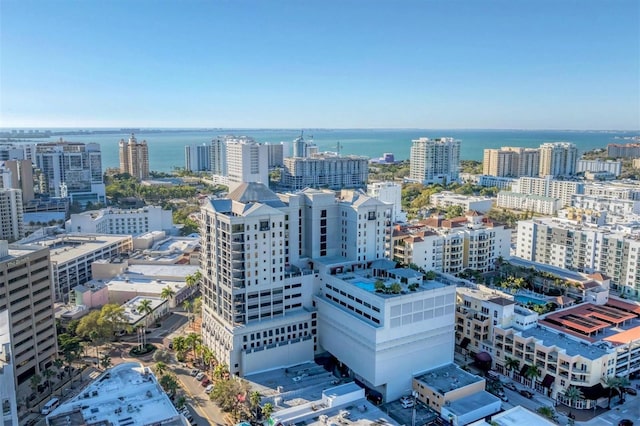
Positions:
{"x": 526, "y": 299}
{"x": 364, "y": 285}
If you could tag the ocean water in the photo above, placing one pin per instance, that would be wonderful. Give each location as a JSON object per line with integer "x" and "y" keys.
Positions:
{"x": 166, "y": 149}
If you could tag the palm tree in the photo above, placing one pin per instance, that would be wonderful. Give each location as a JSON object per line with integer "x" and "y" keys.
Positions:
{"x": 167, "y": 293}
{"x": 35, "y": 381}
{"x": 623, "y": 382}
{"x": 180, "y": 346}
{"x": 160, "y": 368}
{"x": 573, "y": 394}
{"x": 533, "y": 372}
{"x": 267, "y": 410}
{"x": 511, "y": 364}
{"x": 610, "y": 383}
{"x": 145, "y": 307}
{"x": 254, "y": 402}
{"x": 47, "y": 374}
{"x": 220, "y": 371}
{"x": 193, "y": 340}
{"x": 105, "y": 361}
{"x": 193, "y": 279}
{"x": 187, "y": 305}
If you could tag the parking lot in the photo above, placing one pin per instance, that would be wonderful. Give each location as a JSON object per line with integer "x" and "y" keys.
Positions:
{"x": 396, "y": 411}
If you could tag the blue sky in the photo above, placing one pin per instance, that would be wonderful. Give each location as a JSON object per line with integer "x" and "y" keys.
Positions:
{"x": 543, "y": 64}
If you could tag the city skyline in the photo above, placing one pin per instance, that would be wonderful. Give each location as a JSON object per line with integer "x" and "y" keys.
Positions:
{"x": 284, "y": 64}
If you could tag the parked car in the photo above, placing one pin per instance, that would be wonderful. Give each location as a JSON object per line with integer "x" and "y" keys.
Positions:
{"x": 631, "y": 391}
{"x": 200, "y": 376}
{"x": 511, "y": 386}
{"x": 405, "y": 399}
{"x": 205, "y": 382}
{"x": 208, "y": 389}
{"x": 503, "y": 397}
{"x": 625, "y": 422}
{"x": 408, "y": 404}
{"x": 195, "y": 372}
{"x": 526, "y": 393}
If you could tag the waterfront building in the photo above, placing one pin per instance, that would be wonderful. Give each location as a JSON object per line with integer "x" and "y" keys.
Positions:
{"x": 134, "y": 157}
{"x": 218, "y": 157}
{"x": 326, "y": 170}
{"x": 558, "y": 159}
{"x": 197, "y": 158}
{"x": 277, "y": 152}
{"x": 628, "y": 150}
{"x": 113, "y": 220}
{"x": 547, "y": 206}
{"x": 27, "y": 296}
{"x": 71, "y": 169}
{"x": 11, "y": 215}
{"x": 447, "y": 199}
{"x": 8, "y": 396}
{"x": 127, "y": 394}
{"x": 72, "y": 256}
{"x": 599, "y": 165}
{"x": 452, "y": 245}
{"x": 435, "y": 160}
{"x": 511, "y": 162}
{"x": 247, "y": 161}
{"x": 549, "y": 187}
{"x": 584, "y": 247}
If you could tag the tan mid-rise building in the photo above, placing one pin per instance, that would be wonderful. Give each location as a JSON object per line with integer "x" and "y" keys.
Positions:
{"x": 134, "y": 157}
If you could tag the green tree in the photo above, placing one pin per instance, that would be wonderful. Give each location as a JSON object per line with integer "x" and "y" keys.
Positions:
{"x": 180, "y": 346}
{"x": 622, "y": 385}
{"x": 220, "y": 371}
{"x": 573, "y": 394}
{"x": 533, "y": 372}
{"x": 267, "y": 410}
{"x": 547, "y": 412}
{"x": 113, "y": 318}
{"x": 160, "y": 368}
{"x": 169, "y": 384}
{"x": 35, "y": 381}
{"x": 611, "y": 383}
{"x": 395, "y": 288}
{"x": 511, "y": 364}
{"x": 167, "y": 293}
{"x": 105, "y": 361}
{"x": 47, "y": 374}
{"x": 145, "y": 307}
{"x": 187, "y": 305}
{"x": 454, "y": 211}
{"x": 192, "y": 341}
{"x": 254, "y": 402}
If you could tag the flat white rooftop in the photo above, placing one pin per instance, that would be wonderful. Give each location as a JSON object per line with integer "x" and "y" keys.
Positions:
{"x": 516, "y": 416}
{"x": 125, "y": 395}
{"x": 71, "y": 246}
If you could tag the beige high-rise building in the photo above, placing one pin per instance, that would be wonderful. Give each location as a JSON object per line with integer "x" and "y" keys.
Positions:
{"x": 25, "y": 291}
{"x": 20, "y": 177}
{"x": 558, "y": 159}
{"x": 134, "y": 157}
{"x": 511, "y": 162}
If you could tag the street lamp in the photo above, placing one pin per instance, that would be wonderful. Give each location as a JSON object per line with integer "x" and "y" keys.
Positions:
{"x": 415, "y": 402}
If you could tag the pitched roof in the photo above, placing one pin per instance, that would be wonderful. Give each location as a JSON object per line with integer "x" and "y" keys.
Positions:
{"x": 254, "y": 192}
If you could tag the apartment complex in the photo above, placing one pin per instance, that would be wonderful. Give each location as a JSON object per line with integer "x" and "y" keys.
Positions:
{"x": 197, "y": 158}
{"x": 558, "y": 159}
{"x": 72, "y": 256}
{"x": 326, "y": 170}
{"x": 113, "y": 220}
{"x": 452, "y": 245}
{"x": 247, "y": 161}
{"x": 218, "y": 157}
{"x": 11, "y": 215}
{"x": 530, "y": 203}
{"x": 599, "y": 165}
{"x": 613, "y": 207}
{"x": 390, "y": 193}
{"x": 511, "y": 162}
{"x": 549, "y": 187}
{"x": 585, "y": 248}
{"x": 25, "y": 292}
{"x": 70, "y": 169}
{"x": 435, "y": 160}
{"x": 620, "y": 150}
{"x": 134, "y": 157}
{"x": 624, "y": 190}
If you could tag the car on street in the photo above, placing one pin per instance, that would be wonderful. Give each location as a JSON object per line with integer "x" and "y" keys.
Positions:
{"x": 625, "y": 422}
{"x": 511, "y": 386}
{"x": 208, "y": 389}
{"x": 408, "y": 404}
{"x": 205, "y": 382}
{"x": 194, "y": 372}
{"x": 526, "y": 393}
{"x": 631, "y": 391}
{"x": 200, "y": 376}
{"x": 405, "y": 399}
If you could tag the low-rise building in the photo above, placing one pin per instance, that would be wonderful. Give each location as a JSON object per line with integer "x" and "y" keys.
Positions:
{"x": 549, "y": 187}
{"x": 535, "y": 203}
{"x": 517, "y": 415}
{"x": 621, "y": 189}
{"x": 496, "y": 182}
{"x": 447, "y": 199}
{"x": 599, "y": 165}
{"x": 439, "y": 387}
{"x": 113, "y": 220}
{"x": 127, "y": 394}
{"x": 135, "y": 312}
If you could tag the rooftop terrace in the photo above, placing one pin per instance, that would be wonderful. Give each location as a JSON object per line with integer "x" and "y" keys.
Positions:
{"x": 447, "y": 378}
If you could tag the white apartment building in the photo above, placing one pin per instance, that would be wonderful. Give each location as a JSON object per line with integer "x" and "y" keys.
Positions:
{"x": 549, "y": 187}
{"x": 498, "y": 182}
{"x": 113, "y": 220}
{"x": 8, "y": 397}
{"x": 247, "y": 161}
{"x": 11, "y": 215}
{"x": 72, "y": 255}
{"x": 17, "y": 151}
{"x": 558, "y": 159}
{"x": 219, "y": 157}
{"x": 390, "y": 193}
{"x": 447, "y": 199}
{"x": 535, "y": 203}
{"x": 326, "y": 170}
{"x": 258, "y": 274}
{"x": 599, "y": 165}
{"x": 621, "y": 207}
{"x": 71, "y": 169}
{"x": 511, "y": 161}
{"x": 25, "y": 292}
{"x": 435, "y": 160}
{"x": 197, "y": 158}
{"x": 624, "y": 190}
{"x": 451, "y": 246}
{"x": 584, "y": 248}
{"x": 277, "y": 153}
{"x": 384, "y": 338}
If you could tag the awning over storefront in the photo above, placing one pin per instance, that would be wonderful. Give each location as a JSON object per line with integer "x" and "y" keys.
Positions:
{"x": 548, "y": 381}
{"x": 465, "y": 342}
{"x": 594, "y": 392}
{"x": 523, "y": 370}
